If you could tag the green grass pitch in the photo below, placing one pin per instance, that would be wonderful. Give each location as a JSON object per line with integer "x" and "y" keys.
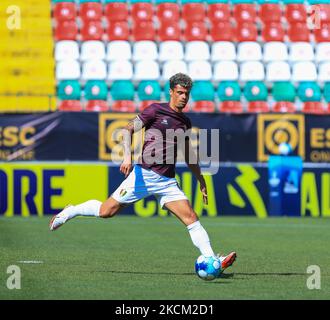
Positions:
{"x": 153, "y": 258}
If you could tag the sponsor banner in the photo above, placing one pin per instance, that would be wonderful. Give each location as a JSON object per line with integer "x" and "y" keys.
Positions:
{"x": 36, "y": 189}
{"x": 93, "y": 136}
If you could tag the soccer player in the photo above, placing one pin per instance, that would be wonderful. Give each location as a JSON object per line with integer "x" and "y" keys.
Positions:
{"x": 155, "y": 172}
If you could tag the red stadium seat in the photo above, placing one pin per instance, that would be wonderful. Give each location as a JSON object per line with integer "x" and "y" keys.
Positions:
{"x": 295, "y": 13}
{"x": 143, "y": 30}
{"x": 97, "y": 106}
{"x": 91, "y": 11}
{"x": 244, "y": 12}
{"x": 315, "y": 107}
{"x": 222, "y": 31}
{"x": 64, "y": 11}
{"x": 273, "y": 31}
{"x": 123, "y": 106}
{"x": 324, "y": 12}
{"x": 92, "y": 30}
{"x": 168, "y": 12}
{"x": 298, "y": 32}
{"x": 246, "y": 31}
{"x": 118, "y": 30}
{"x": 193, "y": 12}
{"x": 203, "y": 106}
{"x": 169, "y": 31}
{"x": 66, "y": 30}
{"x": 142, "y": 11}
{"x": 258, "y": 106}
{"x": 284, "y": 106}
{"x": 270, "y": 12}
{"x": 70, "y": 105}
{"x": 195, "y": 31}
{"x": 322, "y": 34}
{"x": 218, "y": 12}
{"x": 231, "y": 107}
{"x": 116, "y": 11}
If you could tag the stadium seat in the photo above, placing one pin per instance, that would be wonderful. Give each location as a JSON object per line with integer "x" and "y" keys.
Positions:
{"x": 252, "y": 71}
{"x": 66, "y": 50}
{"x": 295, "y": 12}
{"x": 172, "y": 67}
{"x": 273, "y": 31}
{"x": 145, "y": 50}
{"x": 222, "y": 31}
{"x": 310, "y": 94}
{"x": 64, "y": 11}
{"x": 68, "y": 70}
{"x": 270, "y": 12}
{"x": 284, "y": 107}
{"x": 326, "y": 94}
{"x": 69, "y": 90}
{"x": 324, "y": 72}
{"x": 314, "y": 107}
{"x": 96, "y": 90}
{"x": 148, "y": 92}
{"x": 283, "y": 91}
{"x": 322, "y": 52}
{"x": 256, "y": 94}
{"x": 123, "y": 106}
{"x": 70, "y": 106}
{"x": 94, "y": 70}
{"x": 141, "y": 11}
{"x": 278, "y": 71}
{"x": 244, "y": 12}
{"x": 225, "y": 71}
{"x": 193, "y": 11}
{"x": 66, "y": 30}
{"x": 197, "y": 50}
{"x": 298, "y": 32}
{"x": 120, "y": 70}
{"x": 324, "y": 12}
{"x": 91, "y": 11}
{"x": 168, "y": 11}
{"x": 322, "y": 34}
{"x": 248, "y": 51}
{"x": 304, "y": 71}
{"x": 116, "y": 11}
{"x": 195, "y": 31}
{"x": 92, "y": 30}
{"x": 229, "y": 91}
{"x": 118, "y": 30}
{"x": 200, "y": 70}
{"x": 203, "y": 106}
{"x": 275, "y": 51}
{"x": 301, "y": 51}
{"x": 246, "y": 31}
{"x": 170, "y": 50}
{"x": 223, "y": 50}
{"x": 97, "y": 106}
{"x": 122, "y": 93}
{"x": 169, "y": 31}
{"x": 92, "y": 50}
{"x": 218, "y": 12}
{"x": 118, "y": 50}
{"x": 143, "y": 30}
{"x": 231, "y": 107}
{"x": 146, "y": 70}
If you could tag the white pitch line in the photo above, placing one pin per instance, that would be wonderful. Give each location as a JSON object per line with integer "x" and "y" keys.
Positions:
{"x": 30, "y": 261}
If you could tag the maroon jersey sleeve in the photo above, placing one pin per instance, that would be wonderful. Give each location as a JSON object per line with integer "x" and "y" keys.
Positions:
{"x": 148, "y": 115}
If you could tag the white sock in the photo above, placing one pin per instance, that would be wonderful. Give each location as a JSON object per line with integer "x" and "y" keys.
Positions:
{"x": 89, "y": 208}
{"x": 200, "y": 238}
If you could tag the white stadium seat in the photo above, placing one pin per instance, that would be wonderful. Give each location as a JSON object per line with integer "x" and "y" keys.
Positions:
{"x": 278, "y": 71}
{"x": 275, "y": 51}
{"x": 304, "y": 71}
{"x": 146, "y": 70}
{"x": 66, "y": 50}
{"x": 94, "y": 70}
{"x": 324, "y": 72}
{"x": 252, "y": 71}
{"x": 223, "y": 50}
{"x": 200, "y": 70}
{"x": 225, "y": 70}
{"x": 68, "y": 70}
{"x": 170, "y": 50}
{"x": 322, "y": 52}
{"x": 118, "y": 50}
{"x": 120, "y": 70}
{"x": 197, "y": 50}
{"x": 301, "y": 51}
{"x": 172, "y": 67}
{"x": 249, "y": 51}
{"x": 145, "y": 50}
{"x": 92, "y": 50}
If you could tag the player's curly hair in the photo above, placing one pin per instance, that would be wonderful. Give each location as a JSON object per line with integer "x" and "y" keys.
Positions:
{"x": 182, "y": 80}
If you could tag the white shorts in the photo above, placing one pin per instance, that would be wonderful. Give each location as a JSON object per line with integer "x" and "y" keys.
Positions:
{"x": 142, "y": 183}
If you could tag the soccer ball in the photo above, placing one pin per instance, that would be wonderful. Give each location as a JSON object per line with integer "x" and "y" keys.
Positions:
{"x": 208, "y": 268}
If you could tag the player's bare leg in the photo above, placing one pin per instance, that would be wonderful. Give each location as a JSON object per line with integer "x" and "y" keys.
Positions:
{"x": 183, "y": 210}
